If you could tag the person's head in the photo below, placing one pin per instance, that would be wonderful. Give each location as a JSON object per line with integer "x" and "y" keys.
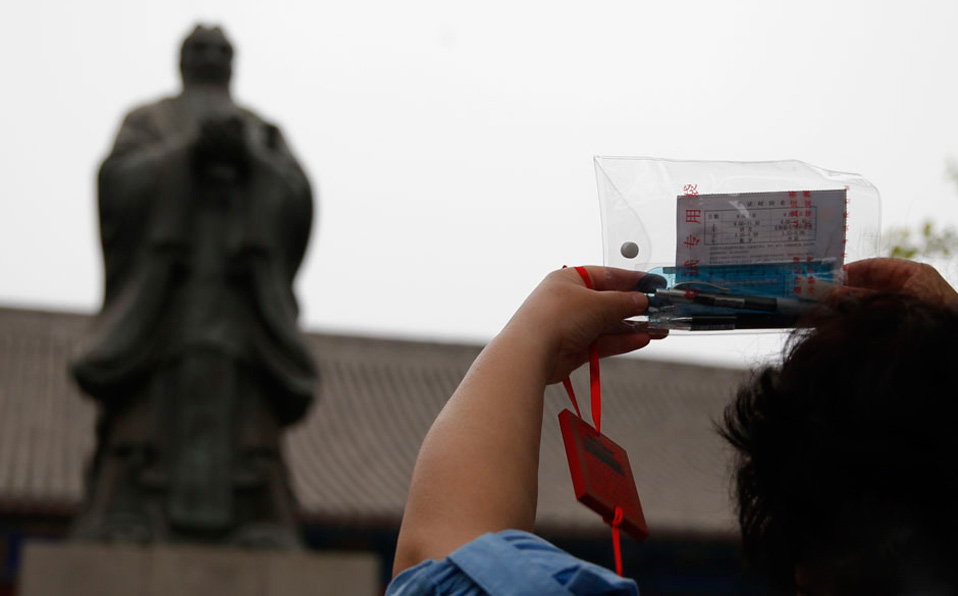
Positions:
{"x": 847, "y": 477}
{"x": 206, "y": 57}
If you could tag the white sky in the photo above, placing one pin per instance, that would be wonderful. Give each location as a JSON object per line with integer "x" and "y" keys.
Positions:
{"x": 451, "y": 143}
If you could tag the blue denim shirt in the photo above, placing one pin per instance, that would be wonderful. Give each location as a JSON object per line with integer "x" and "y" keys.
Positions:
{"x": 510, "y": 563}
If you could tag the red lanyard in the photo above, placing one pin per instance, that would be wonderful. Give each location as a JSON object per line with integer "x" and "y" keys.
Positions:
{"x": 594, "y": 382}
{"x": 595, "y": 387}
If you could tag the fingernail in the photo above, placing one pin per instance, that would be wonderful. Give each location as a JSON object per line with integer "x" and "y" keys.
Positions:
{"x": 651, "y": 282}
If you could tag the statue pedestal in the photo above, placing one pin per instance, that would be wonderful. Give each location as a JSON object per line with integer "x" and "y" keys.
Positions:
{"x": 86, "y": 569}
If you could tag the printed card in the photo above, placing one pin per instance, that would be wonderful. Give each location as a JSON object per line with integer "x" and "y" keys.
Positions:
{"x": 758, "y": 228}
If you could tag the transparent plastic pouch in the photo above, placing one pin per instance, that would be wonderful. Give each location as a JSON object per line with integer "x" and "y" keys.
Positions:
{"x": 734, "y": 245}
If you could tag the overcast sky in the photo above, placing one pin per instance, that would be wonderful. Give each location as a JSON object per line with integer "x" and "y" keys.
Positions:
{"x": 450, "y": 143}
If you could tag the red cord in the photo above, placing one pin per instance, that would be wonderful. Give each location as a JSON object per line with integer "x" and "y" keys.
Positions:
{"x": 567, "y": 383}
{"x": 616, "y": 543}
{"x": 595, "y": 386}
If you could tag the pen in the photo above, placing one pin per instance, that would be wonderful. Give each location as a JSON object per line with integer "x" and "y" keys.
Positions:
{"x": 727, "y": 322}
{"x": 785, "y": 306}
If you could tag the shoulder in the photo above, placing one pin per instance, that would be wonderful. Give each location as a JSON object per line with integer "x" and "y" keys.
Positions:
{"x": 509, "y": 563}
{"x": 146, "y": 113}
{"x": 251, "y": 116}
{"x": 260, "y": 123}
{"x": 147, "y": 109}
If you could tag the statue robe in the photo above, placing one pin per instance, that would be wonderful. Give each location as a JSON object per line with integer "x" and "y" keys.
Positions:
{"x": 148, "y": 191}
{"x": 196, "y": 345}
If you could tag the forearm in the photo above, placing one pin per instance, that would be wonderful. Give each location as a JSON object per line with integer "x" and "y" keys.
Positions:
{"x": 478, "y": 467}
{"x": 477, "y": 470}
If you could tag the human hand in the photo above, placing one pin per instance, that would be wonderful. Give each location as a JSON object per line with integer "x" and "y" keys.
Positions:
{"x": 562, "y": 317}
{"x": 223, "y": 138}
{"x": 899, "y": 275}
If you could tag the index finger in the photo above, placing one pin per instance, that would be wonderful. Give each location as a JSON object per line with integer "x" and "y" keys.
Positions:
{"x": 879, "y": 273}
{"x": 612, "y": 278}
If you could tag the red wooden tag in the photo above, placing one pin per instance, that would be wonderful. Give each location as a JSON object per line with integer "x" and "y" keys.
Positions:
{"x": 601, "y": 474}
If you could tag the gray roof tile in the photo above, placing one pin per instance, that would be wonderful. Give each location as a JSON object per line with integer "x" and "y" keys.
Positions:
{"x": 352, "y": 457}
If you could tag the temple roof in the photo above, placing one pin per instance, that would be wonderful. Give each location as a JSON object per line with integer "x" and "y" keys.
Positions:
{"x": 352, "y": 457}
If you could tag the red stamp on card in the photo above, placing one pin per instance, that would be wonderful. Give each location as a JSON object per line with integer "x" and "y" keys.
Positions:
{"x": 601, "y": 474}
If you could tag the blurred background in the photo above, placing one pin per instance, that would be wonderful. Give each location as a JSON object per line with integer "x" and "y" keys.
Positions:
{"x": 450, "y": 143}
{"x": 450, "y": 149}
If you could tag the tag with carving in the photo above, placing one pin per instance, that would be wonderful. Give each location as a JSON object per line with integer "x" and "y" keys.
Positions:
{"x": 601, "y": 474}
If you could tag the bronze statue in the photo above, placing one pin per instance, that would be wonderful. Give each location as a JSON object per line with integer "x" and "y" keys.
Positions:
{"x": 195, "y": 360}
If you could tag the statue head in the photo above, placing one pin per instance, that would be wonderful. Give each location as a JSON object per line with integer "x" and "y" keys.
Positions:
{"x": 206, "y": 57}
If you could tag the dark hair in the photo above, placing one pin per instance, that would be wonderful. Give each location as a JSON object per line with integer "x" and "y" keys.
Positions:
{"x": 848, "y": 452}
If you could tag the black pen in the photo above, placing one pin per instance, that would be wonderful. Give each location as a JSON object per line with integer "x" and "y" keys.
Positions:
{"x": 784, "y": 306}
{"x": 727, "y": 322}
